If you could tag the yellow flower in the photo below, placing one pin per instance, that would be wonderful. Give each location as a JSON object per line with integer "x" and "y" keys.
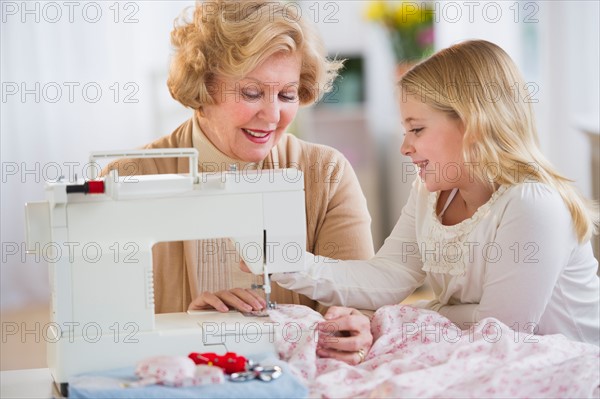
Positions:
{"x": 408, "y": 14}
{"x": 377, "y": 10}
{"x": 409, "y": 23}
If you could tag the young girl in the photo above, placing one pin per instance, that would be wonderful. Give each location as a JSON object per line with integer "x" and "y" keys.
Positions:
{"x": 491, "y": 226}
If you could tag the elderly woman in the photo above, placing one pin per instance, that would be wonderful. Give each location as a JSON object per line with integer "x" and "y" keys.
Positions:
{"x": 245, "y": 68}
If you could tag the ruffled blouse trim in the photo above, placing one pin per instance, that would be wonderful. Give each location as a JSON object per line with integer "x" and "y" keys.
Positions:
{"x": 445, "y": 250}
{"x": 467, "y": 223}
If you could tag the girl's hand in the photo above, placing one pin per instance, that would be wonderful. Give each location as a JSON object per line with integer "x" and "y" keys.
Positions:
{"x": 345, "y": 335}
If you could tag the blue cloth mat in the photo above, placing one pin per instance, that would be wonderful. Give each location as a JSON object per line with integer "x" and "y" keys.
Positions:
{"x": 107, "y": 384}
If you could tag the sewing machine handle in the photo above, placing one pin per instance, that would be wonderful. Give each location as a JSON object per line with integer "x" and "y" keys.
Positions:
{"x": 190, "y": 153}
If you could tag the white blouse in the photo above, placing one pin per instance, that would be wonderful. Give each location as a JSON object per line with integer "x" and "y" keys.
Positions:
{"x": 517, "y": 259}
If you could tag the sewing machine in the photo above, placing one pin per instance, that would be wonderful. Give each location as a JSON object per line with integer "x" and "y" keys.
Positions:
{"x": 97, "y": 237}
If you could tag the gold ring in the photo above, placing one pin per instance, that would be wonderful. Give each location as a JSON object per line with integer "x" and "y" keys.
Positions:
{"x": 361, "y": 355}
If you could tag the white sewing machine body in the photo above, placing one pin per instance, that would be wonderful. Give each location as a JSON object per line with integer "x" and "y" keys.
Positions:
{"x": 99, "y": 250}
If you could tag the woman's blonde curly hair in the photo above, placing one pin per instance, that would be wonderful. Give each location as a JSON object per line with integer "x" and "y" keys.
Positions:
{"x": 231, "y": 38}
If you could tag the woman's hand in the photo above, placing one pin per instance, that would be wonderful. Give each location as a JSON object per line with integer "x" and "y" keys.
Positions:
{"x": 244, "y": 300}
{"x": 345, "y": 335}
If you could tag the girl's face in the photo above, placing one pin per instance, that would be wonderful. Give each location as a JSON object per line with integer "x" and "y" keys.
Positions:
{"x": 433, "y": 140}
{"x": 250, "y": 115}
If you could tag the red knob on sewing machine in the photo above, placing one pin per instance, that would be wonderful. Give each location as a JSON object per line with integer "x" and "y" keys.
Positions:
{"x": 230, "y": 362}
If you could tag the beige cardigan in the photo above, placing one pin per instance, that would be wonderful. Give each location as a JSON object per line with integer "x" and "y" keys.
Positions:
{"x": 337, "y": 219}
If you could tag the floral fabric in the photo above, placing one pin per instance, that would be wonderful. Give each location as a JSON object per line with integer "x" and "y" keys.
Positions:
{"x": 419, "y": 353}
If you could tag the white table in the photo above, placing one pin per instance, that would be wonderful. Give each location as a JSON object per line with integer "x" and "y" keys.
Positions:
{"x": 32, "y": 383}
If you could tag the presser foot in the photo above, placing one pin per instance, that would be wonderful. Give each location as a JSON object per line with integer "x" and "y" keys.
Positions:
{"x": 262, "y": 312}
{"x": 256, "y": 313}
{"x": 270, "y": 305}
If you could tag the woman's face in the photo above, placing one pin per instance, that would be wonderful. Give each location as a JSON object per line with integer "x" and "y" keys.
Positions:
{"x": 433, "y": 140}
{"x": 250, "y": 115}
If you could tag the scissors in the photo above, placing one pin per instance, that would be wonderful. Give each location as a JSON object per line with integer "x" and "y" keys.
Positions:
{"x": 263, "y": 373}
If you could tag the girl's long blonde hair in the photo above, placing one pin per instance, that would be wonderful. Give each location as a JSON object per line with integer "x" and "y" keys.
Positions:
{"x": 477, "y": 82}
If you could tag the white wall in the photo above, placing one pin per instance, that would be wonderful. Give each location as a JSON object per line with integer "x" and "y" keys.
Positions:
{"x": 55, "y": 57}
{"x": 569, "y": 85}
{"x": 555, "y": 44}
